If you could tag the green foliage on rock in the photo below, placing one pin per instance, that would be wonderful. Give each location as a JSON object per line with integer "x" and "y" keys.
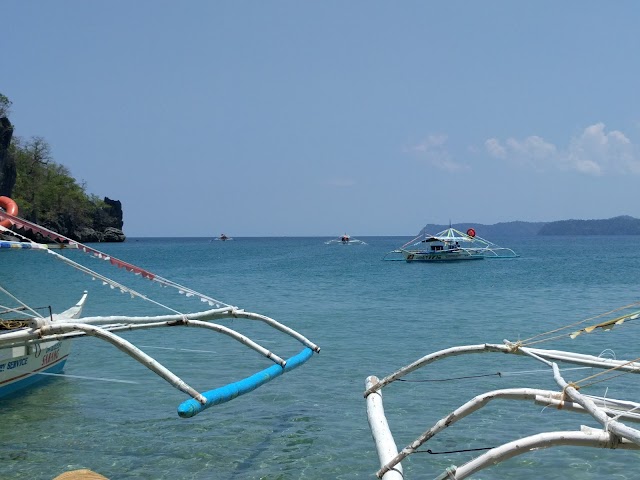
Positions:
{"x": 5, "y": 106}
{"x": 47, "y": 194}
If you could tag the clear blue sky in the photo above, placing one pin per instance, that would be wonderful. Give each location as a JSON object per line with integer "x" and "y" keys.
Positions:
{"x": 268, "y": 118}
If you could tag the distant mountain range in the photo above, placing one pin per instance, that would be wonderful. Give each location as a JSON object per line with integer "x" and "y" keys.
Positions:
{"x": 623, "y": 225}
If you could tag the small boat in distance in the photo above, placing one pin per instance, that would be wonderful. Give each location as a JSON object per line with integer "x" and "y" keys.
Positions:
{"x": 223, "y": 238}
{"x": 450, "y": 245}
{"x": 345, "y": 240}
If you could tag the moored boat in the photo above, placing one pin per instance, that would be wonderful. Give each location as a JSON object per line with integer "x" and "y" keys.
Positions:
{"x": 23, "y": 364}
{"x": 345, "y": 240}
{"x": 449, "y": 245}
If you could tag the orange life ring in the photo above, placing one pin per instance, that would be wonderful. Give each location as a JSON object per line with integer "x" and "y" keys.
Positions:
{"x": 10, "y": 207}
{"x": 471, "y": 232}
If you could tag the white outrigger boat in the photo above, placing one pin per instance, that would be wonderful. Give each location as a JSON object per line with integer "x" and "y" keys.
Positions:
{"x": 612, "y": 414}
{"x": 345, "y": 240}
{"x": 23, "y": 364}
{"x": 33, "y": 344}
{"x": 450, "y": 245}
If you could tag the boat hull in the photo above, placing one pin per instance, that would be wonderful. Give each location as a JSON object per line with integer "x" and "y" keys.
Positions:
{"x": 24, "y": 366}
{"x": 442, "y": 256}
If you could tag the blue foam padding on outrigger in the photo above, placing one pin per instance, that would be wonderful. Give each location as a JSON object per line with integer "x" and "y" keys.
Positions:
{"x": 192, "y": 407}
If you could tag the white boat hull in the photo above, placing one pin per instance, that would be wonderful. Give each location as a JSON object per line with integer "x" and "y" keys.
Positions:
{"x": 440, "y": 256}
{"x": 23, "y": 366}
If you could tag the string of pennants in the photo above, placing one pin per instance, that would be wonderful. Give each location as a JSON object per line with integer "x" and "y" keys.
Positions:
{"x": 56, "y": 237}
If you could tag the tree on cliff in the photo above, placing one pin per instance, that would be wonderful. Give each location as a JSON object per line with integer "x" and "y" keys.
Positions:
{"x": 45, "y": 191}
{"x": 5, "y": 106}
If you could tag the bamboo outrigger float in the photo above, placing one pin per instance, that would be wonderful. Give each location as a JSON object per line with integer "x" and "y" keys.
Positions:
{"x": 22, "y": 342}
{"x": 614, "y": 415}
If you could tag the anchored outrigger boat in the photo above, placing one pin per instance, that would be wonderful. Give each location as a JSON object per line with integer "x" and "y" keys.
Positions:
{"x": 612, "y": 414}
{"x": 32, "y": 343}
{"x": 448, "y": 246}
{"x": 345, "y": 240}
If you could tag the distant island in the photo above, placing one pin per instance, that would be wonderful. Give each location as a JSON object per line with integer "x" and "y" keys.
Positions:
{"x": 622, "y": 225}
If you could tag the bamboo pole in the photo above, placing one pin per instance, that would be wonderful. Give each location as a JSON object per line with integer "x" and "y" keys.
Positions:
{"x": 586, "y": 438}
{"x": 130, "y": 350}
{"x": 461, "y": 412}
{"x": 567, "y": 357}
{"x": 382, "y": 437}
{"x": 608, "y": 423}
{"x": 560, "y": 404}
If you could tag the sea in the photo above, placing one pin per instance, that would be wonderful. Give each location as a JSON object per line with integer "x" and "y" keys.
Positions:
{"x": 112, "y": 415}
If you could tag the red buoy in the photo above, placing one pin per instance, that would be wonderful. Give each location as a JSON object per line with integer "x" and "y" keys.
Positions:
{"x": 10, "y": 207}
{"x": 471, "y": 232}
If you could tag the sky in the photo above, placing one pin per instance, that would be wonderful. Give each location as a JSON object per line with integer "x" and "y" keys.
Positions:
{"x": 318, "y": 118}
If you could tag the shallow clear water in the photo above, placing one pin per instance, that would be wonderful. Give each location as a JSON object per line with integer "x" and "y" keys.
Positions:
{"x": 369, "y": 317}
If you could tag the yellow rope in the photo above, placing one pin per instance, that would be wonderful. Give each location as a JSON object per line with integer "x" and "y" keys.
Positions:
{"x": 604, "y": 372}
{"x": 563, "y": 395}
{"x": 13, "y": 324}
{"x": 605, "y": 379}
{"x": 528, "y": 341}
{"x": 528, "y": 344}
{"x": 514, "y": 347}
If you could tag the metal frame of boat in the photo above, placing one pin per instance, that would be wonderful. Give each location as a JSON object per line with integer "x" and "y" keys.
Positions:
{"x": 449, "y": 245}
{"x": 612, "y": 414}
{"x": 40, "y": 344}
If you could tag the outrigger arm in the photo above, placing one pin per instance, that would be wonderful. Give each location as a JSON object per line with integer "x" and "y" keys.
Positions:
{"x": 128, "y": 348}
{"x": 43, "y": 329}
{"x": 606, "y": 411}
{"x": 47, "y": 330}
{"x": 587, "y": 437}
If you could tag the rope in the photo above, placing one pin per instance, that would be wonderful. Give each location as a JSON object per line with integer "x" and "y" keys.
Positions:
{"x": 548, "y": 339}
{"x": 585, "y": 385}
{"x": 605, "y": 372}
{"x": 13, "y": 324}
{"x": 498, "y": 374}
{"x": 454, "y": 451}
{"x": 22, "y": 223}
{"x": 449, "y": 379}
{"x": 108, "y": 281}
{"x": 604, "y": 379}
{"x": 513, "y": 347}
{"x": 529, "y": 342}
{"x": 531, "y": 372}
{"x": 27, "y": 307}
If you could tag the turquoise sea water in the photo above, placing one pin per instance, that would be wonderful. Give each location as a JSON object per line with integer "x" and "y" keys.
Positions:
{"x": 369, "y": 317}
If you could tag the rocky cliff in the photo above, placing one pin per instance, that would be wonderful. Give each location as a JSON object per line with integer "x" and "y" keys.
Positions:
{"x": 7, "y": 163}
